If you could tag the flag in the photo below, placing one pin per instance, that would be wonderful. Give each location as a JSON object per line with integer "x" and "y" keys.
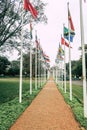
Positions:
{"x": 70, "y": 21}
{"x": 59, "y": 57}
{"x": 63, "y": 42}
{"x": 46, "y": 57}
{"x": 71, "y": 38}
{"x": 60, "y": 50}
{"x": 36, "y": 41}
{"x": 31, "y": 30}
{"x": 37, "y": 45}
{"x": 28, "y": 6}
{"x": 66, "y": 34}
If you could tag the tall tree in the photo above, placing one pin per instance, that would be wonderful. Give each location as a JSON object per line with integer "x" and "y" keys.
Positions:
{"x": 4, "y": 63}
{"x": 10, "y": 21}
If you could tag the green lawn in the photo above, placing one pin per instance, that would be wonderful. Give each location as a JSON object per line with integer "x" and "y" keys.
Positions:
{"x": 77, "y": 91}
{"x": 9, "y": 88}
{"x": 10, "y": 108}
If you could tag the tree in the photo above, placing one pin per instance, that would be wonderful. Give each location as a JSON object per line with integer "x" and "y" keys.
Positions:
{"x": 76, "y": 68}
{"x": 14, "y": 68}
{"x": 4, "y": 65}
{"x": 10, "y": 21}
{"x": 26, "y": 64}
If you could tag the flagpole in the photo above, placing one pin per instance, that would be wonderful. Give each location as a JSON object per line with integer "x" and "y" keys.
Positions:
{"x": 48, "y": 73}
{"x": 83, "y": 62}
{"x": 30, "y": 68}
{"x": 56, "y": 72}
{"x": 70, "y": 74}
{"x": 61, "y": 75}
{"x": 28, "y": 6}
{"x": 21, "y": 59}
{"x": 40, "y": 64}
{"x": 36, "y": 66}
{"x": 64, "y": 63}
{"x": 64, "y": 69}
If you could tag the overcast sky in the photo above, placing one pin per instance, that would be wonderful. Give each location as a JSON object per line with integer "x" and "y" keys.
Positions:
{"x": 50, "y": 34}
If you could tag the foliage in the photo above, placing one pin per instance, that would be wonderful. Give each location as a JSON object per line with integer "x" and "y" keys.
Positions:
{"x": 4, "y": 63}
{"x": 76, "y": 68}
{"x": 77, "y": 65}
{"x": 10, "y": 22}
{"x": 9, "y": 19}
{"x": 26, "y": 64}
{"x": 14, "y": 68}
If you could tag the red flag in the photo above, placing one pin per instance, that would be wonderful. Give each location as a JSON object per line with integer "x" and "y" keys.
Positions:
{"x": 70, "y": 20}
{"x": 63, "y": 42}
{"x": 28, "y": 6}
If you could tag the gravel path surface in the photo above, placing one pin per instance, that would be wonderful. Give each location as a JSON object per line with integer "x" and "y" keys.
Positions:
{"x": 48, "y": 111}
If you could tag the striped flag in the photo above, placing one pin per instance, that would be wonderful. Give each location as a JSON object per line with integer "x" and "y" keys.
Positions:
{"x": 66, "y": 34}
{"x": 70, "y": 20}
{"x": 63, "y": 42}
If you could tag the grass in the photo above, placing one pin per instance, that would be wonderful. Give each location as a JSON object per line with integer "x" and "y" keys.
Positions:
{"x": 9, "y": 88}
{"x": 77, "y": 92}
{"x": 10, "y": 108}
{"x": 76, "y": 104}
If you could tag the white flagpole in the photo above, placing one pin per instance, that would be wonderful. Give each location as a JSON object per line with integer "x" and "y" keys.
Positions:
{"x": 53, "y": 73}
{"x": 36, "y": 67}
{"x": 83, "y": 62}
{"x": 30, "y": 68}
{"x": 64, "y": 64}
{"x": 62, "y": 73}
{"x": 56, "y": 72}
{"x": 48, "y": 73}
{"x": 39, "y": 65}
{"x": 64, "y": 69}
{"x": 39, "y": 70}
{"x": 21, "y": 59}
{"x": 70, "y": 74}
{"x": 36, "y": 70}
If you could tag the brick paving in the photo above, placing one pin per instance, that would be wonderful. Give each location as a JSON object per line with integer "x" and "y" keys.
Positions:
{"x": 48, "y": 111}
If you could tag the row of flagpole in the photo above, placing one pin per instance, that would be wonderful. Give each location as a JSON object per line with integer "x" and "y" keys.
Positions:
{"x": 28, "y": 6}
{"x": 38, "y": 74}
{"x": 70, "y": 31}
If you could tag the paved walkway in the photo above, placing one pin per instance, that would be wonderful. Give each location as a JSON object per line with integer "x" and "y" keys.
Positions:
{"x": 48, "y": 111}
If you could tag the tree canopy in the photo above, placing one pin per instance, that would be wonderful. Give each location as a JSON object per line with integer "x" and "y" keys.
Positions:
{"x": 10, "y": 21}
